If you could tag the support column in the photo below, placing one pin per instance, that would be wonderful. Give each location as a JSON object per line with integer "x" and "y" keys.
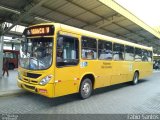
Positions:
{"x": 1, "y": 48}
{"x": 1, "y": 55}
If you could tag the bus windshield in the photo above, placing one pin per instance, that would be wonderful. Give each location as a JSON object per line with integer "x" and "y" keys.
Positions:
{"x": 36, "y": 53}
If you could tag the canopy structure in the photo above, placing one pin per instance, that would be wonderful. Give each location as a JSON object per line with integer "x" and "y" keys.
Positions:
{"x": 101, "y": 16}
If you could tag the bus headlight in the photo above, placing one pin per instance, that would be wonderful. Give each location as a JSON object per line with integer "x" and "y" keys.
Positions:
{"x": 45, "y": 80}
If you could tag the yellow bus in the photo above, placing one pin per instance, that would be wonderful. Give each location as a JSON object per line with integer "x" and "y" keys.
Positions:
{"x": 57, "y": 60}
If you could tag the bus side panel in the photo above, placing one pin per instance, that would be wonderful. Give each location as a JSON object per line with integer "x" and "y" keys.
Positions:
{"x": 145, "y": 69}
{"x": 66, "y": 79}
{"x": 98, "y": 70}
{"x": 150, "y": 69}
{"x": 105, "y": 71}
{"x": 120, "y": 72}
{"x": 130, "y": 70}
{"x": 138, "y": 67}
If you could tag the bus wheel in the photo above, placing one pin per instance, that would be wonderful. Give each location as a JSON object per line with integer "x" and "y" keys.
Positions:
{"x": 85, "y": 88}
{"x": 135, "y": 78}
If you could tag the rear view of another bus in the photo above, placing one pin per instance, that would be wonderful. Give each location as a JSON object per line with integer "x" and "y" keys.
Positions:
{"x": 12, "y": 56}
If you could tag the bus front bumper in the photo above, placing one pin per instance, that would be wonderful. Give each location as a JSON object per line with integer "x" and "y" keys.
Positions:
{"x": 46, "y": 90}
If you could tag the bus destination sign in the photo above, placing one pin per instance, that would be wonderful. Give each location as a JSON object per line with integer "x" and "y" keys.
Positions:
{"x": 39, "y": 31}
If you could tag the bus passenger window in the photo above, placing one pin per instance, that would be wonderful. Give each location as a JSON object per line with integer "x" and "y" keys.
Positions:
{"x": 144, "y": 55}
{"x": 138, "y": 54}
{"x": 149, "y": 56}
{"x": 104, "y": 50}
{"x": 59, "y": 56}
{"x": 129, "y": 53}
{"x": 67, "y": 51}
{"x": 89, "y": 48}
{"x": 118, "y": 51}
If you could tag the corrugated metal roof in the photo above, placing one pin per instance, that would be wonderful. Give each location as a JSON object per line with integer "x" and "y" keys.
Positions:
{"x": 55, "y": 16}
{"x": 15, "y": 4}
{"x": 103, "y": 11}
{"x": 41, "y": 11}
{"x": 54, "y": 4}
{"x": 88, "y": 4}
{"x": 70, "y": 7}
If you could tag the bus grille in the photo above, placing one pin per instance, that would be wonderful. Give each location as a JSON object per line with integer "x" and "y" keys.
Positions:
{"x": 32, "y": 75}
{"x": 30, "y": 81}
{"x": 30, "y": 87}
{"x": 26, "y": 80}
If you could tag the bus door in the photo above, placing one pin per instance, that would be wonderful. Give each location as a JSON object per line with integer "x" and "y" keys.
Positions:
{"x": 67, "y": 64}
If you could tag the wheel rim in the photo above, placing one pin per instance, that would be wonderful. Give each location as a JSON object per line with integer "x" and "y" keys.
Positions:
{"x": 136, "y": 78}
{"x": 86, "y": 88}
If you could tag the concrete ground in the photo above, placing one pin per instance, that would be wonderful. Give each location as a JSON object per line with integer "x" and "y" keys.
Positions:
{"x": 118, "y": 99}
{"x": 8, "y": 85}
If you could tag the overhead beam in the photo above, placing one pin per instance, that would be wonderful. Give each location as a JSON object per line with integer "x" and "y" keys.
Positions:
{"x": 9, "y": 9}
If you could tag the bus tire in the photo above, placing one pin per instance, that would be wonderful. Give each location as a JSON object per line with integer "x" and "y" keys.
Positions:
{"x": 135, "y": 78}
{"x": 86, "y": 88}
